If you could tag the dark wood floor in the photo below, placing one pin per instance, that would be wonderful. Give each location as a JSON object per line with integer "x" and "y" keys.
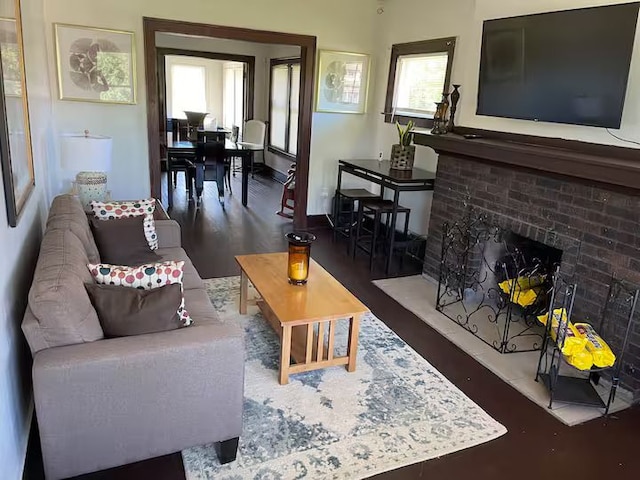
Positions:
{"x": 536, "y": 447}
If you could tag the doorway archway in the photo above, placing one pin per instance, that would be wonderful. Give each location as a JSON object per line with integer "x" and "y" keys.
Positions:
{"x": 307, "y": 46}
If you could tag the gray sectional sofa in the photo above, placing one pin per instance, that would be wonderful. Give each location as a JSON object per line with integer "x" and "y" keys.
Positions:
{"x": 103, "y": 402}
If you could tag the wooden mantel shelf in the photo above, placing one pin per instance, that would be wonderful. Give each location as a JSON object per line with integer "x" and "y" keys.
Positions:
{"x": 588, "y": 161}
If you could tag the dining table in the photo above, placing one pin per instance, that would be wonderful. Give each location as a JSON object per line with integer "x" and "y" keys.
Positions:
{"x": 187, "y": 150}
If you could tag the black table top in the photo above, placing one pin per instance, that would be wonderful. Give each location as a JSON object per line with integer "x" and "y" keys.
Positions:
{"x": 228, "y": 145}
{"x": 383, "y": 170}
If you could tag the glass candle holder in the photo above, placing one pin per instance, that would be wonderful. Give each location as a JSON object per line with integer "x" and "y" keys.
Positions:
{"x": 299, "y": 254}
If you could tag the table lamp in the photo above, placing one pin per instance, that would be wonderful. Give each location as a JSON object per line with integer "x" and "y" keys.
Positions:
{"x": 89, "y": 156}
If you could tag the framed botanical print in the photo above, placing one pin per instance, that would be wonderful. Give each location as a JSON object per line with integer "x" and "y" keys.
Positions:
{"x": 95, "y": 64}
{"x": 15, "y": 135}
{"x": 343, "y": 82}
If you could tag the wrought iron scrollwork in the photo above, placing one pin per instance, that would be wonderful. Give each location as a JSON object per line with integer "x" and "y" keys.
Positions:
{"x": 477, "y": 257}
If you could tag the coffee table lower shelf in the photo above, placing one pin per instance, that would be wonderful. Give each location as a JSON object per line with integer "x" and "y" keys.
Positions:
{"x": 307, "y": 345}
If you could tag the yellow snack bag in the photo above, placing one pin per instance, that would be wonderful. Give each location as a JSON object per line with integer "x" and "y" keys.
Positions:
{"x": 582, "y": 360}
{"x": 526, "y": 290}
{"x": 574, "y": 343}
{"x": 602, "y": 355}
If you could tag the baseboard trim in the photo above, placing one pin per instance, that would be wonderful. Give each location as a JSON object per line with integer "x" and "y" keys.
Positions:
{"x": 275, "y": 174}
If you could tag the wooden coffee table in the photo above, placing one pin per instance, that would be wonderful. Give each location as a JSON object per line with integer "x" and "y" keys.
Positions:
{"x": 294, "y": 312}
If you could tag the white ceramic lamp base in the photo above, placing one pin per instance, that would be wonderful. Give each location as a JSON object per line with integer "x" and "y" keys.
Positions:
{"x": 91, "y": 186}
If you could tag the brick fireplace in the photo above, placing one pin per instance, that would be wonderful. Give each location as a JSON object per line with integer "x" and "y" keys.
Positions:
{"x": 559, "y": 203}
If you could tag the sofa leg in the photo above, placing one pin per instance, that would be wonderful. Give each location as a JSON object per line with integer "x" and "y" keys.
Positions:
{"x": 227, "y": 450}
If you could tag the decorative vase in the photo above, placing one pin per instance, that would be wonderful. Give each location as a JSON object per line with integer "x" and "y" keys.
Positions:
{"x": 439, "y": 119}
{"x": 445, "y": 100}
{"x": 299, "y": 254}
{"x": 455, "y": 98}
{"x": 402, "y": 156}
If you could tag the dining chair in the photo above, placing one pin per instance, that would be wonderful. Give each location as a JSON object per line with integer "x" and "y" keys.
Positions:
{"x": 212, "y": 156}
{"x": 254, "y": 134}
{"x": 180, "y": 163}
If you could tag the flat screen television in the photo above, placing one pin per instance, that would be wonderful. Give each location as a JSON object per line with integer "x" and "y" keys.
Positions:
{"x": 564, "y": 67}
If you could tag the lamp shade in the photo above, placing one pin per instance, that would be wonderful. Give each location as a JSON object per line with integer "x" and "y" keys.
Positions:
{"x": 84, "y": 152}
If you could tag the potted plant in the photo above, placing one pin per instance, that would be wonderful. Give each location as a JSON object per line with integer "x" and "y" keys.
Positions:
{"x": 403, "y": 153}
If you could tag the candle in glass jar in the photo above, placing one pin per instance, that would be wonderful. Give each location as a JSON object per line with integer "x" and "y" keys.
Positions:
{"x": 299, "y": 254}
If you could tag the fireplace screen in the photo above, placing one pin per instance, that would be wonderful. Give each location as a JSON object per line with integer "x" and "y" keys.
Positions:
{"x": 494, "y": 283}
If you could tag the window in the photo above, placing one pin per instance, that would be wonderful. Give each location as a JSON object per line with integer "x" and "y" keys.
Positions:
{"x": 418, "y": 75}
{"x": 188, "y": 89}
{"x": 283, "y": 106}
{"x": 233, "y": 95}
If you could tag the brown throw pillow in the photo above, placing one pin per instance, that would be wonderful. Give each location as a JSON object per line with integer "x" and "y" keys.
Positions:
{"x": 122, "y": 241}
{"x": 125, "y": 311}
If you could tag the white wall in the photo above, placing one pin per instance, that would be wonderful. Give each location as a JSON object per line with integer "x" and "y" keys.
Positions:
{"x": 412, "y": 20}
{"x": 338, "y": 25}
{"x": 19, "y": 250}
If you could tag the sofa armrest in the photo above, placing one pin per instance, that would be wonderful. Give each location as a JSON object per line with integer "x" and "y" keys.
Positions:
{"x": 126, "y": 399}
{"x": 169, "y": 235}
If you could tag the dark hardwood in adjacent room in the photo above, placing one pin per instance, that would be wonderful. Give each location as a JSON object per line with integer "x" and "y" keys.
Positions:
{"x": 536, "y": 446}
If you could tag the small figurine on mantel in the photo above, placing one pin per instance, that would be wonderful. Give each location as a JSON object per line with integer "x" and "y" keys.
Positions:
{"x": 440, "y": 117}
{"x": 455, "y": 98}
{"x": 441, "y": 125}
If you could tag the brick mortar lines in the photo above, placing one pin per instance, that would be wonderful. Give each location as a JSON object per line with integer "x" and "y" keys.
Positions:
{"x": 606, "y": 223}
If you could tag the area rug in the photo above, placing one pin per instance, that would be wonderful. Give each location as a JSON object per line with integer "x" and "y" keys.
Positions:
{"x": 394, "y": 410}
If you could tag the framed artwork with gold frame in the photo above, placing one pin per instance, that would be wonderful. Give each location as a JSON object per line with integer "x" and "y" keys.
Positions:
{"x": 16, "y": 156}
{"x": 343, "y": 82}
{"x": 95, "y": 64}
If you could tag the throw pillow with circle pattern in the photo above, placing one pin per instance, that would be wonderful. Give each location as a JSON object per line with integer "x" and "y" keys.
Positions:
{"x": 110, "y": 210}
{"x": 146, "y": 277}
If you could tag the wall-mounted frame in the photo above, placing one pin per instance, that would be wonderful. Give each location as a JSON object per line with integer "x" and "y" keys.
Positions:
{"x": 15, "y": 134}
{"x": 343, "y": 82}
{"x": 95, "y": 64}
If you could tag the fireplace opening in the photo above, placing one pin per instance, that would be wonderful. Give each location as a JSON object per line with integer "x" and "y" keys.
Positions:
{"x": 495, "y": 283}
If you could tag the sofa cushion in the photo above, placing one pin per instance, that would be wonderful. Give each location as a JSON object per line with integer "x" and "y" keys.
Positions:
{"x": 57, "y": 298}
{"x": 200, "y": 308}
{"x": 191, "y": 278}
{"x": 66, "y": 213}
{"x": 121, "y": 241}
{"x": 145, "y": 208}
{"x": 125, "y": 311}
{"x": 148, "y": 277}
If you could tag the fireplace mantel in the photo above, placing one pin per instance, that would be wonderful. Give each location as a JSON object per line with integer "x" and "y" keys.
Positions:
{"x": 615, "y": 166}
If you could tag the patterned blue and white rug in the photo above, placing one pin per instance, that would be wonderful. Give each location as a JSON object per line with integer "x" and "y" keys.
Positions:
{"x": 394, "y": 410}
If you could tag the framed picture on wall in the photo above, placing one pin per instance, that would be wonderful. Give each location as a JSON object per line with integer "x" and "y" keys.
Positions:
{"x": 95, "y": 64}
{"x": 343, "y": 82}
{"x": 15, "y": 135}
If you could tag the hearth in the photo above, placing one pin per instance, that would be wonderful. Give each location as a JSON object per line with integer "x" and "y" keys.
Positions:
{"x": 494, "y": 282}
{"x": 581, "y": 198}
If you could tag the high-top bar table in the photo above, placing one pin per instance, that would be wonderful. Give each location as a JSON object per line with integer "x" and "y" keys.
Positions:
{"x": 380, "y": 173}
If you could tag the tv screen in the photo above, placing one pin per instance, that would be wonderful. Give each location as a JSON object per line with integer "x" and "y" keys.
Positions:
{"x": 564, "y": 67}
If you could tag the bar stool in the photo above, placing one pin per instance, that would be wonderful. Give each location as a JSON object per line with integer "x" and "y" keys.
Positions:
{"x": 375, "y": 209}
{"x": 350, "y": 196}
